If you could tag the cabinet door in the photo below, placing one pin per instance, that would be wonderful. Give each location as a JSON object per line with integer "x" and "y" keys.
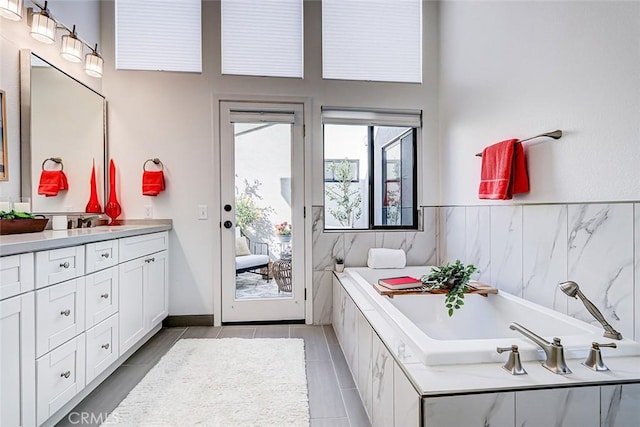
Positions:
{"x": 59, "y": 314}
{"x": 17, "y": 366}
{"x": 102, "y": 347}
{"x": 58, "y": 265}
{"x": 100, "y": 255}
{"x": 130, "y": 295}
{"x": 16, "y": 275}
{"x": 101, "y": 296}
{"x": 138, "y": 246}
{"x": 60, "y": 377}
{"x": 156, "y": 296}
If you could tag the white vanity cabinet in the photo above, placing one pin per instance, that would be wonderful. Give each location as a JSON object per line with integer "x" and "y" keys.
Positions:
{"x": 17, "y": 355}
{"x": 63, "y": 310}
{"x": 143, "y": 286}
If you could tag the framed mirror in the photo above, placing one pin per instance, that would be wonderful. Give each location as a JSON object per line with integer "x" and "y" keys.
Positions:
{"x": 63, "y": 127}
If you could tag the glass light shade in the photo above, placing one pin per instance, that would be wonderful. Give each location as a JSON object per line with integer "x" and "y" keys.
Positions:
{"x": 11, "y": 9}
{"x": 71, "y": 49}
{"x": 93, "y": 64}
{"x": 43, "y": 28}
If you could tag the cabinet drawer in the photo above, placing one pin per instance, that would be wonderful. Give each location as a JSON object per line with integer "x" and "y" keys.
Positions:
{"x": 16, "y": 275}
{"x": 59, "y": 314}
{"x": 60, "y": 376}
{"x": 58, "y": 265}
{"x": 101, "y": 291}
{"x": 101, "y": 255}
{"x": 102, "y": 347}
{"x": 137, "y": 246}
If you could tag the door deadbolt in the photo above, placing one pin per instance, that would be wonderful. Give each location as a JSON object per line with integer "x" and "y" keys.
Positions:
{"x": 227, "y": 208}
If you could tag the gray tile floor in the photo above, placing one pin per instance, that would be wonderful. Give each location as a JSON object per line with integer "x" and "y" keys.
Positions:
{"x": 333, "y": 398}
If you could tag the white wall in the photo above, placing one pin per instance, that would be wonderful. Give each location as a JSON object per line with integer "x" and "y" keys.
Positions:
{"x": 172, "y": 116}
{"x": 15, "y": 36}
{"x": 516, "y": 69}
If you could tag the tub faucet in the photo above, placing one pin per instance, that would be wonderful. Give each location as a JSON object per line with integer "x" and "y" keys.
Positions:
{"x": 573, "y": 290}
{"x": 554, "y": 351}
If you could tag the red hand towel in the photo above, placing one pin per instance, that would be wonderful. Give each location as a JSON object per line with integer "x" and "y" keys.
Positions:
{"x": 49, "y": 184}
{"x": 504, "y": 171}
{"x": 152, "y": 183}
{"x": 63, "y": 184}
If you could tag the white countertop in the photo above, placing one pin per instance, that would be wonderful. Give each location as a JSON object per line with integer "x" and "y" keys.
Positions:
{"x": 486, "y": 377}
{"x": 49, "y": 239}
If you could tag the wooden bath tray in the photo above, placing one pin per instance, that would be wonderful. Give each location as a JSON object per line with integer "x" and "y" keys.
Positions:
{"x": 477, "y": 288}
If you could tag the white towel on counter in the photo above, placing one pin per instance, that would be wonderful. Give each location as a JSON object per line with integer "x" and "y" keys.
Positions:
{"x": 386, "y": 258}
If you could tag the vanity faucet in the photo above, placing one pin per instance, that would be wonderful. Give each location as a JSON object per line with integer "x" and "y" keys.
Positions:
{"x": 86, "y": 221}
{"x": 554, "y": 351}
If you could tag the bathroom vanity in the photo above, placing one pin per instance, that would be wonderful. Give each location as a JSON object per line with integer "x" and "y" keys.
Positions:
{"x": 401, "y": 387}
{"x": 74, "y": 305}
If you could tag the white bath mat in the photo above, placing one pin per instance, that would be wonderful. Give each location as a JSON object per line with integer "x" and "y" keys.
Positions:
{"x": 221, "y": 382}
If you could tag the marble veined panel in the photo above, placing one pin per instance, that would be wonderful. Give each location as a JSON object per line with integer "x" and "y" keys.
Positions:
{"x": 544, "y": 255}
{"x": 356, "y": 248}
{"x": 478, "y": 244}
{"x": 454, "y": 236}
{"x": 600, "y": 260}
{"x": 506, "y": 248}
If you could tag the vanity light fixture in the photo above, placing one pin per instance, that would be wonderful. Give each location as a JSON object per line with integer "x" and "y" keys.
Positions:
{"x": 11, "y": 9}
{"x": 43, "y": 27}
{"x": 71, "y": 48}
{"x": 93, "y": 63}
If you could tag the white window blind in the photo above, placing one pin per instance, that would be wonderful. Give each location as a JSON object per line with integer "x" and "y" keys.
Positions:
{"x": 162, "y": 35}
{"x": 262, "y": 38}
{"x": 378, "y": 40}
{"x": 346, "y": 116}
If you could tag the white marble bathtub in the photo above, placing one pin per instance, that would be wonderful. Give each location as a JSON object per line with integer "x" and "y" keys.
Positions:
{"x": 474, "y": 331}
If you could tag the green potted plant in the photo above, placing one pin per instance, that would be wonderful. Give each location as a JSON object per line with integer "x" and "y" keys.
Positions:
{"x": 453, "y": 278}
{"x": 339, "y": 264}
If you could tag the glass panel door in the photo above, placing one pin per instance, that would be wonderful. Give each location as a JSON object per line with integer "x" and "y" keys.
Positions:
{"x": 263, "y": 278}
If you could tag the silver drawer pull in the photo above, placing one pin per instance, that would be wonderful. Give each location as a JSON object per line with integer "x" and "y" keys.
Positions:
{"x": 149, "y": 260}
{"x": 105, "y": 346}
{"x": 105, "y": 255}
{"x": 65, "y": 312}
{"x": 66, "y": 374}
{"x": 64, "y": 264}
{"x": 105, "y": 296}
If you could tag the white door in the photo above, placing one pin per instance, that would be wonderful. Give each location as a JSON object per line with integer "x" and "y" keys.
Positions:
{"x": 262, "y": 199}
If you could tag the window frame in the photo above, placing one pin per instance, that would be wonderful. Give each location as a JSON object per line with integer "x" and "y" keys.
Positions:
{"x": 373, "y": 118}
{"x": 414, "y": 177}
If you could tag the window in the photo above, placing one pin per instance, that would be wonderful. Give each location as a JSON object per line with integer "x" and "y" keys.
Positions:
{"x": 370, "y": 169}
{"x": 159, "y": 35}
{"x": 262, "y": 38}
{"x": 378, "y": 40}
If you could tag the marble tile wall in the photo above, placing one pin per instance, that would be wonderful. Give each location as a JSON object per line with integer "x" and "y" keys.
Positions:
{"x": 353, "y": 247}
{"x": 528, "y": 250}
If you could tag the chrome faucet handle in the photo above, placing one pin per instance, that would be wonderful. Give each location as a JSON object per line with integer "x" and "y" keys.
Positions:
{"x": 594, "y": 359}
{"x": 513, "y": 364}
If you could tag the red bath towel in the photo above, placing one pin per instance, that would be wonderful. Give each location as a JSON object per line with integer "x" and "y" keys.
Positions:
{"x": 51, "y": 182}
{"x": 152, "y": 183}
{"x": 504, "y": 171}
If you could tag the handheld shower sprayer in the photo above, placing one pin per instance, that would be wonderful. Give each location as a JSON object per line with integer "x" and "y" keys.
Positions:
{"x": 573, "y": 290}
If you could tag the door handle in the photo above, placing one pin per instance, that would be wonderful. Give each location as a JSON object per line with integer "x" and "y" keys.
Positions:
{"x": 228, "y": 224}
